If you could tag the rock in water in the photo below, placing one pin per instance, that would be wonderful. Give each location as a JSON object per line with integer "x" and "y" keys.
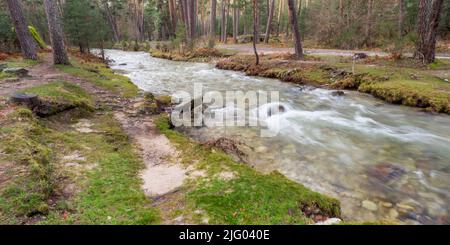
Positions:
{"x": 369, "y": 205}
{"x": 338, "y": 93}
{"x": 29, "y": 100}
{"x": 332, "y": 221}
{"x": 385, "y": 172}
{"x": 20, "y": 72}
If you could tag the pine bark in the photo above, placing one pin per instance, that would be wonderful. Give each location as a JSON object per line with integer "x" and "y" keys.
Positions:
{"x": 60, "y": 56}
{"x": 255, "y": 28}
{"x": 429, "y": 15}
{"x": 212, "y": 31}
{"x": 269, "y": 21}
{"x": 222, "y": 23}
{"x": 368, "y": 22}
{"x": 295, "y": 30}
{"x": 27, "y": 43}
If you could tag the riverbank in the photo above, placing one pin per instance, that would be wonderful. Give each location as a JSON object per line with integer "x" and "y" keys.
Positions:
{"x": 396, "y": 82}
{"x": 100, "y": 155}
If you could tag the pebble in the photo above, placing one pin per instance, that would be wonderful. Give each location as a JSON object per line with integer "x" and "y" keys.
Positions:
{"x": 404, "y": 206}
{"x": 332, "y": 221}
{"x": 261, "y": 149}
{"x": 393, "y": 214}
{"x": 386, "y": 204}
{"x": 369, "y": 205}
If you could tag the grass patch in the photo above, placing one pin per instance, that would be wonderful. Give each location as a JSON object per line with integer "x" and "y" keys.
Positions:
{"x": 23, "y": 141}
{"x": 248, "y": 198}
{"x": 112, "y": 191}
{"x": 5, "y": 75}
{"x": 102, "y": 76}
{"x": 109, "y": 192}
{"x": 21, "y": 63}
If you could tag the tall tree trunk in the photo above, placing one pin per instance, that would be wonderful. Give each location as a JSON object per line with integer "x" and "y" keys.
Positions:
{"x": 368, "y": 22}
{"x": 401, "y": 17}
{"x": 222, "y": 23}
{"x": 255, "y": 28}
{"x": 256, "y": 35}
{"x": 226, "y": 22}
{"x": 295, "y": 30}
{"x": 212, "y": 30}
{"x": 27, "y": 43}
{"x": 235, "y": 21}
{"x": 341, "y": 9}
{"x": 56, "y": 33}
{"x": 280, "y": 12}
{"x": 429, "y": 14}
{"x": 269, "y": 21}
{"x": 111, "y": 21}
{"x": 173, "y": 15}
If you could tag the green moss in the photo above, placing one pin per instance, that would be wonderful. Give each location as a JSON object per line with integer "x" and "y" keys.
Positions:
{"x": 23, "y": 141}
{"x": 35, "y": 34}
{"x": 248, "y": 198}
{"x": 21, "y": 63}
{"x": 112, "y": 193}
{"x": 61, "y": 96}
{"x": 5, "y": 75}
{"x": 100, "y": 75}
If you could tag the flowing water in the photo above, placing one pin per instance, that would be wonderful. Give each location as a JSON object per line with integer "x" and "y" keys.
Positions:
{"x": 384, "y": 162}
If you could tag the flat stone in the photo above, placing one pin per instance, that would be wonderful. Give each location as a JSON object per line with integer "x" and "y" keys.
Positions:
{"x": 332, "y": 221}
{"x": 21, "y": 72}
{"x": 393, "y": 214}
{"x": 404, "y": 206}
{"x": 261, "y": 149}
{"x": 386, "y": 204}
{"x": 369, "y": 205}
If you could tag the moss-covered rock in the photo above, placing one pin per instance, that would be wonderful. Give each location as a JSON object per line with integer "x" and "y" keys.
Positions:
{"x": 57, "y": 97}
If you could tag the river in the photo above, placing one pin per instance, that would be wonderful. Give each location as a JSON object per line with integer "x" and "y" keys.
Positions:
{"x": 382, "y": 161}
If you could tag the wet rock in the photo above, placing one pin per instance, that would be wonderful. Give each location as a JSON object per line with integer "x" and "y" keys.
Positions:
{"x": 385, "y": 172}
{"x": 360, "y": 56}
{"x": 236, "y": 149}
{"x": 393, "y": 214}
{"x": 386, "y": 204}
{"x": 2, "y": 67}
{"x": 261, "y": 149}
{"x": 332, "y": 221}
{"x": 404, "y": 207}
{"x": 20, "y": 72}
{"x": 369, "y": 205}
{"x": 446, "y": 80}
{"x": 338, "y": 93}
{"x": 122, "y": 64}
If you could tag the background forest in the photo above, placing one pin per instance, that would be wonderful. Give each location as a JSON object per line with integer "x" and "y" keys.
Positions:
{"x": 345, "y": 24}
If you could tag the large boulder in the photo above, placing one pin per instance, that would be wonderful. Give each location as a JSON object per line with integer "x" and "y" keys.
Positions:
{"x": 20, "y": 72}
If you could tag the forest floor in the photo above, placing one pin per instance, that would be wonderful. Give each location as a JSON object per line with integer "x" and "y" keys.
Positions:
{"x": 101, "y": 153}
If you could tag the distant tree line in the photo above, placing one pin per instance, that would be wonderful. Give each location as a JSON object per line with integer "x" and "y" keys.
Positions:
{"x": 347, "y": 24}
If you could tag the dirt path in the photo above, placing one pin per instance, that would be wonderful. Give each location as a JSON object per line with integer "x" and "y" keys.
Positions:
{"x": 163, "y": 174}
{"x": 248, "y": 49}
